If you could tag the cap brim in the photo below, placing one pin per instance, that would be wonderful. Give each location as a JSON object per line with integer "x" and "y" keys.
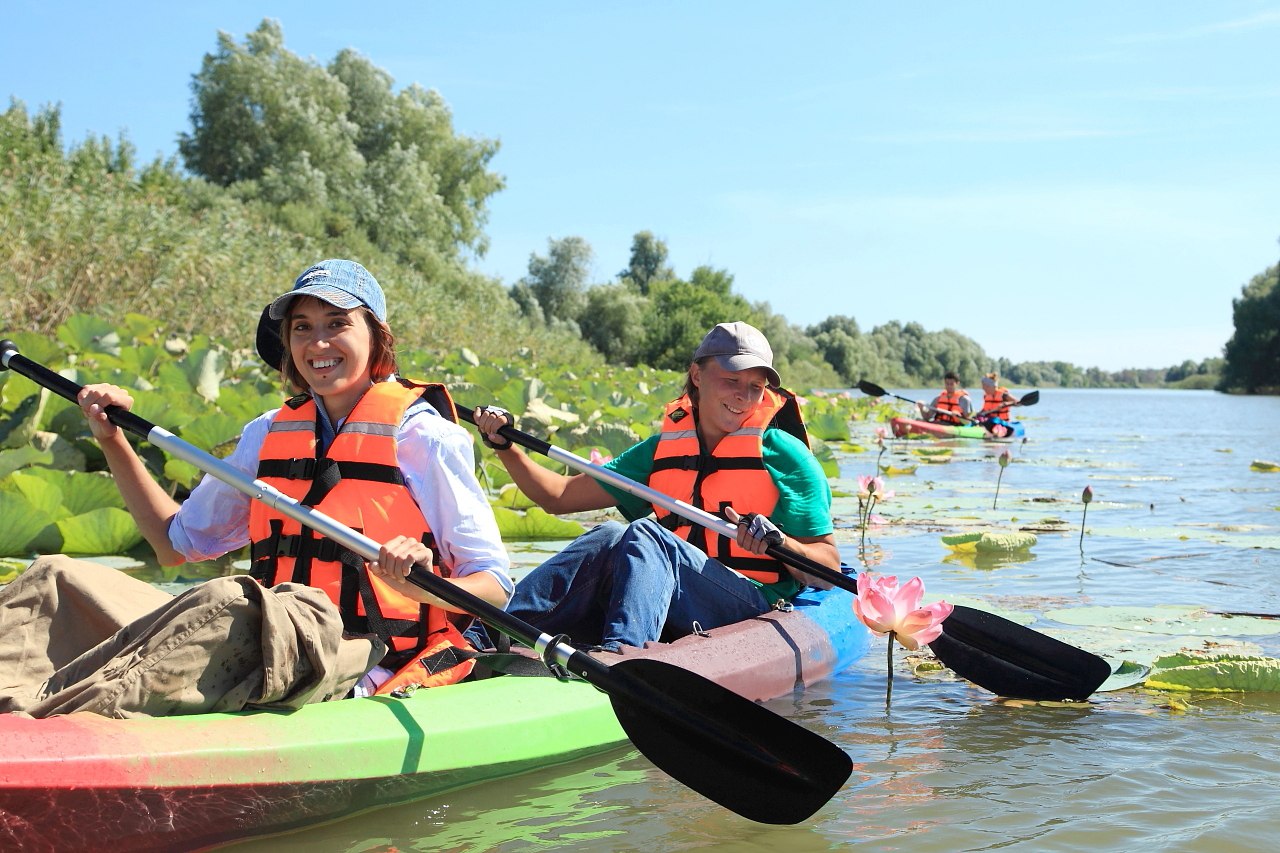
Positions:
{"x": 743, "y": 361}
{"x": 339, "y": 298}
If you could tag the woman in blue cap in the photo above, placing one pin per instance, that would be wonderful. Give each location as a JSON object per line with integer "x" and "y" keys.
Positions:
{"x": 376, "y": 452}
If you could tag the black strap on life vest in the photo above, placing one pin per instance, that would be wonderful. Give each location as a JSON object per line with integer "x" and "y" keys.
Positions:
{"x": 788, "y": 419}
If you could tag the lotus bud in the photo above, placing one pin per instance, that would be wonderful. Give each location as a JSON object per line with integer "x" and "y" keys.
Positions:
{"x": 1087, "y": 495}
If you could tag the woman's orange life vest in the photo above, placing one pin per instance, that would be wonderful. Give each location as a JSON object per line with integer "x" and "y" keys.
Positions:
{"x": 732, "y": 475}
{"x": 357, "y": 482}
{"x": 994, "y": 405}
{"x": 948, "y": 409}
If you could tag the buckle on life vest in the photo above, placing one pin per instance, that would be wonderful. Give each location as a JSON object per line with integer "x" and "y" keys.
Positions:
{"x": 301, "y": 469}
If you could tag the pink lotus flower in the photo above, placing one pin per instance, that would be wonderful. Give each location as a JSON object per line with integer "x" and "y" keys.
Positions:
{"x": 882, "y": 432}
{"x": 886, "y": 609}
{"x": 598, "y": 459}
{"x": 869, "y": 485}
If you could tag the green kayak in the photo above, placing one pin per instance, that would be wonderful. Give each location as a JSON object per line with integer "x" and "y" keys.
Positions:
{"x": 86, "y": 782}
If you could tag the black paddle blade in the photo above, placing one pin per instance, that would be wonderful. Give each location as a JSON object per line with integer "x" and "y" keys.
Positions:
{"x": 1015, "y": 661}
{"x": 871, "y": 389}
{"x": 1030, "y": 399}
{"x": 727, "y": 748}
{"x": 270, "y": 347}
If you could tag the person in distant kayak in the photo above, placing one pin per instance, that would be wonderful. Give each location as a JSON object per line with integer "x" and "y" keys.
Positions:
{"x": 734, "y": 444}
{"x": 996, "y": 400}
{"x": 951, "y": 407}
{"x": 378, "y": 453}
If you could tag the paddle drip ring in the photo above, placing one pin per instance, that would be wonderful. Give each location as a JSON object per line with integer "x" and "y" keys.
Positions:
{"x": 546, "y": 653}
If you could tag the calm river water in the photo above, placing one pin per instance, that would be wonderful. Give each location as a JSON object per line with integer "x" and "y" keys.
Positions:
{"x": 1178, "y": 518}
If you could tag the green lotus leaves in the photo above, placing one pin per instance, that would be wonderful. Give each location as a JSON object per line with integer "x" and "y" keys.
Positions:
{"x": 990, "y": 543}
{"x": 962, "y": 541}
{"x": 828, "y": 425}
{"x": 1264, "y": 466}
{"x": 534, "y": 523}
{"x": 100, "y": 531}
{"x": 22, "y": 522}
{"x": 1216, "y": 674}
{"x": 49, "y": 511}
{"x": 22, "y": 457}
{"x": 84, "y": 333}
{"x": 1175, "y": 619}
{"x": 511, "y": 497}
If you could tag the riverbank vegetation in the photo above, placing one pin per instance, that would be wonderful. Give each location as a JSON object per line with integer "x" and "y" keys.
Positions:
{"x": 288, "y": 161}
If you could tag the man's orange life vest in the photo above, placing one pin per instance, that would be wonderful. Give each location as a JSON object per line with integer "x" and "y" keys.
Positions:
{"x": 993, "y": 404}
{"x": 948, "y": 407}
{"x": 358, "y": 482}
{"x": 732, "y": 475}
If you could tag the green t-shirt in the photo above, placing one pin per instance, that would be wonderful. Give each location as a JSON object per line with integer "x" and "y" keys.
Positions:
{"x": 804, "y": 495}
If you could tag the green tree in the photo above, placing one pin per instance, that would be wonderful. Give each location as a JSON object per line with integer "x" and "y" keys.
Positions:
{"x": 557, "y": 282}
{"x": 648, "y": 262}
{"x": 618, "y": 317}
{"x": 682, "y": 312}
{"x": 334, "y": 149}
{"x": 1252, "y": 355}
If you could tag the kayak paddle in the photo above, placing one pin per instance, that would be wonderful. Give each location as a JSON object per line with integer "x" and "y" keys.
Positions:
{"x": 1002, "y": 656}
{"x": 722, "y": 745}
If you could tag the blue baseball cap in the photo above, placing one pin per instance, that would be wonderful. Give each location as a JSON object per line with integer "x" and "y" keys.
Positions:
{"x": 343, "y": 283}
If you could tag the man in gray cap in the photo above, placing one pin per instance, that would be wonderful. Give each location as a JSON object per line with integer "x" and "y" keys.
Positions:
{"x": 734, "y": 444}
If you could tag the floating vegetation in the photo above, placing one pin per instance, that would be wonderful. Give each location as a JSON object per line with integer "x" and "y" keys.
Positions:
{"x": 1264, "y": 466}
{"x": 990, "y": 543}
{"x": 1215, "y": 674}
{"x": 899, "y": 470}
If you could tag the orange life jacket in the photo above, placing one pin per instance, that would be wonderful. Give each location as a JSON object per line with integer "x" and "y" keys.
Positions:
{"x": 948, "y": 407}
{"x": 993, "y": 404}
{"x": 358, "y": 482}
{"x": 732, "y": 475}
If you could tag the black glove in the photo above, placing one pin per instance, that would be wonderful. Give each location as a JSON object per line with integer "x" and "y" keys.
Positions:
{"x": 506, "y": 416}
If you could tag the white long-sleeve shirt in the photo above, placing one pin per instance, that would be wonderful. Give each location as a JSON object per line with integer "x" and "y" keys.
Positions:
{"x": 436, "y": 456}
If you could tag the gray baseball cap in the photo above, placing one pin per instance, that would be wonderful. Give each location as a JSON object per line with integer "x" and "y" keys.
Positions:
{"x": 343, "y": 283}
{"x": 738, "y": 346}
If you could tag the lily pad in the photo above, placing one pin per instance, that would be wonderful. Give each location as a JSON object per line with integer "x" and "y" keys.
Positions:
{"x": 1220, "y": 674}
{"x": 989, "y": 543}
{"x": 1265, "y": 466}
{"x": 1173, "y": 619}
{"x": 535, "y": 523}
{"x": 101, "y": 531}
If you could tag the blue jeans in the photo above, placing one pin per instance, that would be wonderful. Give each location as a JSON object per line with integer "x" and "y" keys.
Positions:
{"x": 627, "y": 584}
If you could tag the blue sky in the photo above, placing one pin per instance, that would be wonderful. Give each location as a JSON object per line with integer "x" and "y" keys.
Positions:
{"x": 1092, "y": 182}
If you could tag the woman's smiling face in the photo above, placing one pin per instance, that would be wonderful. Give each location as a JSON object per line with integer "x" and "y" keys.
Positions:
{"x": 331, "y": 348}
{"x": 725, "y": 397}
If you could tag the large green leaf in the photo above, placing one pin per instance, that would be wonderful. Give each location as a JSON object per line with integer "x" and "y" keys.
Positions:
{"x": 535, "y": 524}
{"x": 22, "y": 457}
{"x": 85, "y": 333}
{"x": 828, "y": 426}
{"x": 16, "y": 429}
{"x": 1221, "y": 674}
{"x": 212, "y": 430}
{"x": 20, "y": 522}
{"x": 37, "y": 491}
{"x": 100, "y": 531}
{"x": 205, "y": 369}
{"x": 80, "y": 492}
